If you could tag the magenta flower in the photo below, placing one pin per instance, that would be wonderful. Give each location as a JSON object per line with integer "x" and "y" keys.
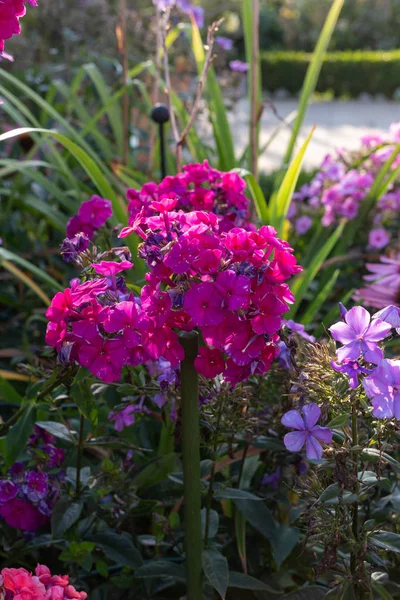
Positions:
{"x": 8, "y": 490}
{"x": 125, "y": 317}
{"x": 36, "y": 485}
{"x": 108, "y": 268}
{"x": 382, "y": 386}
{"x": 352, "y": 368}
{"x": 21, "y": 514}
{"x": 11, "y": 12}
{"x": 307, "y": 432}
{"x": 236, "y": 289}
{"x": 359, "y": 336}
{"x": 104, "y": 358}
{"x": 203, "y": 302}
{"x": 209, "y": 362}
{"x": 95, "y": 211}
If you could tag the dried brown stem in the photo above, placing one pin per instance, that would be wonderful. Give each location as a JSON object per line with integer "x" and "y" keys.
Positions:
{"x": 180, "y": 138}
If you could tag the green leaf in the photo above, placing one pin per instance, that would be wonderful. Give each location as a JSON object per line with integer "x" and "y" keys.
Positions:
{"x": 19, "y": 434}
{"x": 215, "y": 567}
{"x": 59, "y": 430}
{"x": 228, "y": 493}
{"x": 331, "y": 495}
{"x": 303, "y": 280}
{"x": 319, "y": 300}
{"x": 118, "y": 548}
{"x": 65, "y": 514}
{"x": 245, "y": 582}
{"x": 10, "y": 256}
{"x": 259, "y": 517}
{"x": 213, "y": 523}
{"x": 375, "y": 455}
{"x": 218, "y": 116}
{"x": 158, "y": 470}
{"x": 9, "y": 394}
{"x": 310, "y": 592}
{"x": 312, "y": 75}
{"x": 382, "y": 591}
{"x": 280, "y": 202}
{"x": 386, "y": 540}
{"x": 256, "y": 193}
{"x": 369, "y": 478}
{"x": 283, "y": 542}
{"x": 338, "y": 422}
{"x": 161, "y": 568}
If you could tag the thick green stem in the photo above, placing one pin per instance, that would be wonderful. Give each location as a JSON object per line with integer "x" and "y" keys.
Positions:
{"x": 212, "y": 474}
{"x": 191, "y": 465}
{"x": 79, "y": 451}
{"x": 354, "y": 430}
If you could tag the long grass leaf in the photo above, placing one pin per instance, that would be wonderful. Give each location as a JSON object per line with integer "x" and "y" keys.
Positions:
{"x": 256, "y": 194}
{"x": 25, "y": 279}
{"x": 304, "y": 279}
{"x": 316, "y": 304}
{"x": 312, "y": 74}
{"x": 280, "y": 202}
{"x": 11, "y": 257}
{"x": 218, "y": 115}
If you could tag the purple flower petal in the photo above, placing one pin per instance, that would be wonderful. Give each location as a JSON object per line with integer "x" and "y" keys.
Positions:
{"x": 378, "y": 330}
{"x": 293, "y": 419}
{"x": 323, "y": 434}
{"x": 342, "y": 333}
{"x": 372, "y": 353}
{"x": 294, "y": 441}
{"x": 311, "y": 413}
{"x": 358, "y": 319}
{"x": 352, "y": 351}
{"x": 390, "y": 314}
{"x": 314, "y": 449}
{"x": 383, "y": 407}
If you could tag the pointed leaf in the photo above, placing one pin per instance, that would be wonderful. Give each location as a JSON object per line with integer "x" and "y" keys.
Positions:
{"x": 215, "y": 568}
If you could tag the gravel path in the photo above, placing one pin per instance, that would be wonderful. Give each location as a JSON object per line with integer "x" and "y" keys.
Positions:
{"x": 339, "y": 124}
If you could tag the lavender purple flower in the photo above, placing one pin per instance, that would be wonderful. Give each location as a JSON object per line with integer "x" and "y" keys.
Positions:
{"x": 307, "y": 432}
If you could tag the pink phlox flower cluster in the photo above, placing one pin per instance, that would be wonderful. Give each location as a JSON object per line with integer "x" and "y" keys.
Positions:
{"x": 229, "y": 285}
{"x": 11, "y": 11}
{"x": 100, "y": 325}
{"x": 198, "y": 188}
{"x": 383, "y": 283}
{"x": 20, "y": 584}
{"x": 92, "y": 215}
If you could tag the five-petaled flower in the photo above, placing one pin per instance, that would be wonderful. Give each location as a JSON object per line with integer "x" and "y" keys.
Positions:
{"x": 307, "y": 431}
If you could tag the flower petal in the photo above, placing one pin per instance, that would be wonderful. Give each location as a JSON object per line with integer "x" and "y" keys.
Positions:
{"x": 352, "y": 351}
{"x": 323, "y": 434}
{"x": 377, "y": 331}
{"x": 311, "y": 413}
{"x": 313, "y": 448}
{"x": 341, "y": 332}
{"x": 358, "y": 319}
{"x": 294, "y": 441}
{"x": 293, "y": 419}
{"x": 383, "y": 407}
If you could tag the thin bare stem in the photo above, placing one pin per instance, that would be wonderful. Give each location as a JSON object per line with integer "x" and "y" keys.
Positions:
{"x": 121, "y": 40}
{"x": 156, "y": 85}
{"x": 168, "y": 87}
{"x": 255, "y": 100}
{"x": 209, "y": 58}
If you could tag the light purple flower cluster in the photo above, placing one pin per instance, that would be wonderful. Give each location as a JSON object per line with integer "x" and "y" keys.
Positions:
{"x": 383, "y": 284}
{"x": 27, "y": 496}
{"x": 342, "y": 183}
{"x": 198, "y": 187}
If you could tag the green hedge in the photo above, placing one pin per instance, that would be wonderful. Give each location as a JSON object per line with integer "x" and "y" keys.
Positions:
{"x": 343, "y": 73}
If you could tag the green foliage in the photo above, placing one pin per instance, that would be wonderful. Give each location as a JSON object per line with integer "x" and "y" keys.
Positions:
{"x": 343, "y": 73}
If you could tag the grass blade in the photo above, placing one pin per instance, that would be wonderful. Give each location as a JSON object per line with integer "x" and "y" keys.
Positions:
{"x": 312, "y": 74}
{"x": 25, "y": 279}
{"x": 302, "y": 281}
{"x": 319, "y": 300}
{"x": 280, "y": 202}
{"x": 7, "y": 255}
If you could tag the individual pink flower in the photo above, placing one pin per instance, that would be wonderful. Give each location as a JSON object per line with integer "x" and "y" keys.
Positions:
{"x": 203, "y": 302}
{"x": 236, "y": 289}
{"x": 209, "y": 362}
{"x": 108, "y": 268}
{"x": 303, "y": 224}
{"x": 104, "y": 358}
{"x": 307, "y": 431}
{"x": 360, "y": 336}
{"x": 95, "y": 211}
{"x": 21, "y": 514}
{"x": 378, "y": 238}
{"x": 123, "y": 418}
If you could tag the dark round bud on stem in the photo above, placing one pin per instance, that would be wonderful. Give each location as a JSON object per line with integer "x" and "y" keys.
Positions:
{"x": 160, "y": 113}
